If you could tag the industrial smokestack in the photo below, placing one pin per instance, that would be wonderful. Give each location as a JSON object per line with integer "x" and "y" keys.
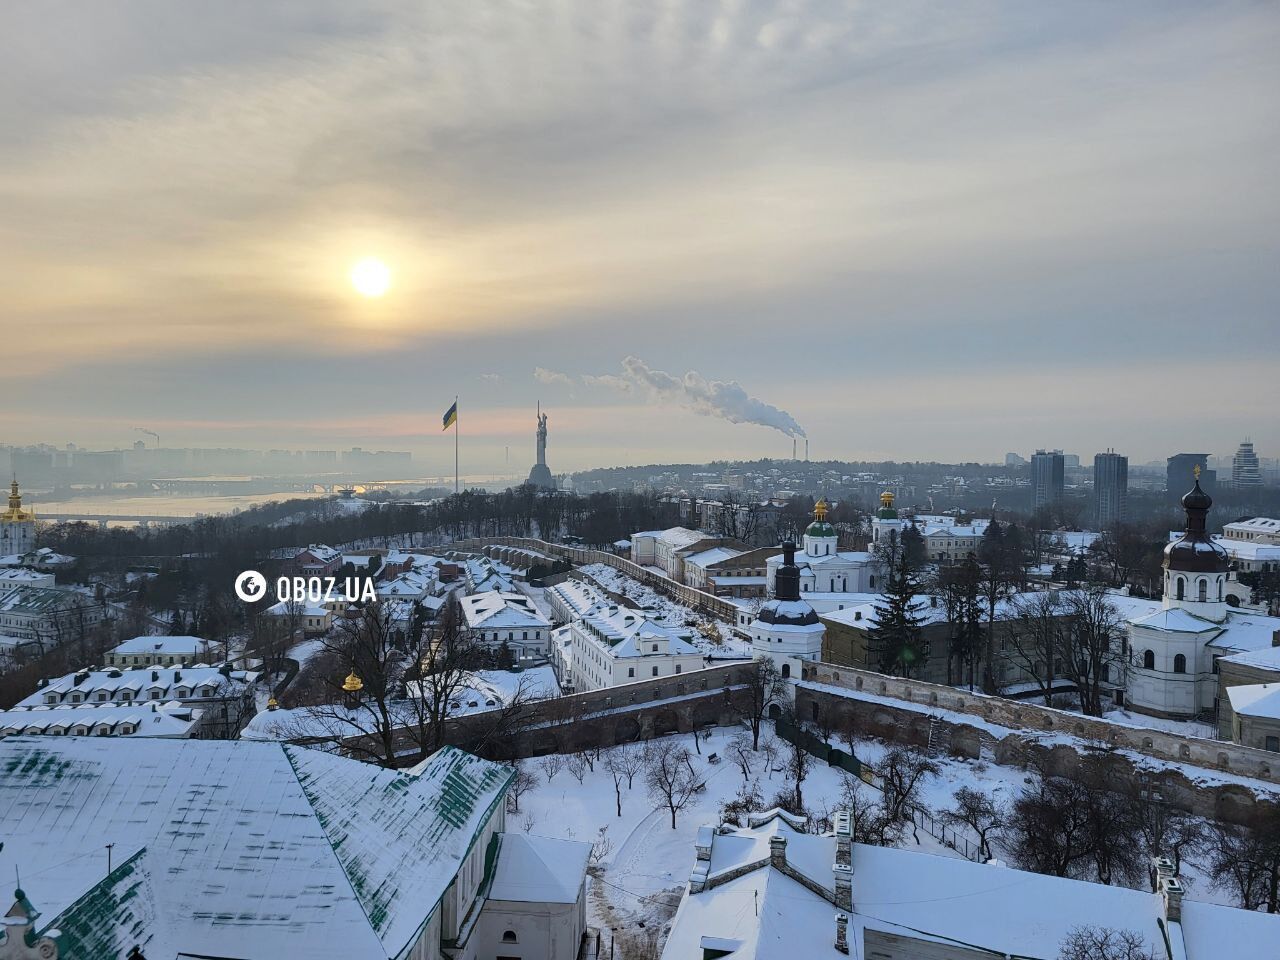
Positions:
{"x": 793, "y": 448}
{"x": 806, "y": 449}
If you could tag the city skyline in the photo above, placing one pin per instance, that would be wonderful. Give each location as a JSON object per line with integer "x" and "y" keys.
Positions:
{"x": 958, "y": 233}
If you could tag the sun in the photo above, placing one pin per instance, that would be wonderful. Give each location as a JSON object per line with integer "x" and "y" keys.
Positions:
{"x": 371, "y": 277}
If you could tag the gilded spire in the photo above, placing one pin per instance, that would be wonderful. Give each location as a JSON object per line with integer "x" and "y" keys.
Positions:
{"x": 886, "y": 499}
{"x": 15, "y": 513}
{"x": 352, "y": 684}
{"x": 820, "y": 510}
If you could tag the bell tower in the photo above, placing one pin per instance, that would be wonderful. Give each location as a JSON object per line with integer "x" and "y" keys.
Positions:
{"x": 1195, "y": 567}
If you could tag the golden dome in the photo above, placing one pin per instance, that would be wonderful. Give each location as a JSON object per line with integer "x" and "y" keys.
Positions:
{"x": 352, "y": 684}
{"x": 15, "y": 513}
{"x": 820, "y": 510}
{"x": 886, "y": 499}
{"x": 273, "y": 704}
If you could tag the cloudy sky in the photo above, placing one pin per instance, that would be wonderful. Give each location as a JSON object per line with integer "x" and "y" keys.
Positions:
{"x": 691, "y": 228}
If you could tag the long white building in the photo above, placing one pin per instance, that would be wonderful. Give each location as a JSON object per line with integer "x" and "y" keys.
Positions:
{"x": 497, "y": 617}
{"x": 617, "y": 645}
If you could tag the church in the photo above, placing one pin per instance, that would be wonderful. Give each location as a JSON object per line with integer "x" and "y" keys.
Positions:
{"x": 787, "y": 628}
{"x": 17, "y": 526}
{"x": 830, "y": 578}
{"x": 1174, "y": 650}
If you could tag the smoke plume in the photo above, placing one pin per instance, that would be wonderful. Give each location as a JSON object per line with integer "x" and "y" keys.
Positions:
{"x": 725, "y": 399}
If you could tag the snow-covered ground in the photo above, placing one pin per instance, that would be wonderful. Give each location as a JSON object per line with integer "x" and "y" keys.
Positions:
{"x": 1185, "y": 728}
{"x": 665, "y": 611}
{"x": 648, "y": 864}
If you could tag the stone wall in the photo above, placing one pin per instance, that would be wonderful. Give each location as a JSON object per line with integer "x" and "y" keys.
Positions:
{"x": 697, "y": 599}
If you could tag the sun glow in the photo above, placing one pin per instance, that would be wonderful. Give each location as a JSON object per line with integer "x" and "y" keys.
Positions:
{"x": 371, "y": 277}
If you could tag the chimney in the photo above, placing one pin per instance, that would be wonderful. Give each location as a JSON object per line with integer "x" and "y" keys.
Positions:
{"x": 177, "y": 675}
{"x": 778, "y": 852}
{"x": 1275, "y": 638}
{"x": 842, "y": 933}
{"x": 843, "y": 867}
{"x": 155, "y": 676}
{"x": 1171, "y": 893}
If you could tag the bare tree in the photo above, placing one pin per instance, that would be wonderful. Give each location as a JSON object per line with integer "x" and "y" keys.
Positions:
{"x": 629, "y": 760}
{"x": 1104, "y": 943}
{"x": 1094, "y": 648}
{"x": 668, "y": 775}
{"x": 763, "y": 688}
{"x": 521, "y": 783}
{"x": 551, "y": 764}
{"x": 601, "y": 847}
{"x": 742, "y": 753}
{"x": 903, "y": 771}
{"x": 869, "y": 820}
{"x": 576, "y": 764}
{"x": 980, "y": 813}
{"x": 1034, "y": 633}
{"x": 1246, "y": 859}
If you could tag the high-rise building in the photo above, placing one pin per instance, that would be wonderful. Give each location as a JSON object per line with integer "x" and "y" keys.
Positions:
{"x": 1245, "y": 469}
{"x": 1110, "y": 488}
{"x": 1048, "y": 469}
{"x": 1180, "y": 474}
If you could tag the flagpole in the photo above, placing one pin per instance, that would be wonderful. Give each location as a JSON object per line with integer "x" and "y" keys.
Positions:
{"x": 455, "y": 445}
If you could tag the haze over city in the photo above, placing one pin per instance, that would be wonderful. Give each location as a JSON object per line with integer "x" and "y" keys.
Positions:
{"x": 917, "y": 232}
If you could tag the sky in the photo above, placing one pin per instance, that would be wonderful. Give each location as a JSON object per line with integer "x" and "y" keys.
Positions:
{"x": 691, "y": 229}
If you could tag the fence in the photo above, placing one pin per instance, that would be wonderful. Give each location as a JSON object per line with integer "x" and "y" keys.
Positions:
{"x": 945, "y": 834}
{"x": 816, "y": 746}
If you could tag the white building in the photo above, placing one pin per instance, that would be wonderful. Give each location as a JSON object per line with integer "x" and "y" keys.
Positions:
{"x": 616, "y": 645}
{"x": 224, "y": 696}
{"x": 298, "y": 853}
{"x": 313, "y": 619}
{"x": 170, "y": 720}
{"x": 1256, "y": 715}
{"x": 1174, "y": 649}
{"x": 696, "y": 564}
{"x": 1255, "y": 530}
{"x": 946, "y": 540}
{"x": 496, "y": 617}
{"x": 161, "y": 652}
{"x": 17, "y": 526}
{"x": 573, "y": 599}
{"x": 830, "y": 579}
{"x": 47, "y": 617}
{"x": 787, "y": 629}
{"x": 770, "y": 890}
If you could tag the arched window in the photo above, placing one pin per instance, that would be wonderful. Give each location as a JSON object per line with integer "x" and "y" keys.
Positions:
{"x": 1179, "y": 664}
{"x": 1148, "y": 660}
{"x": 509, "y": 936}
{"x": 1182, "y": 588}
{"x": 1219, "y": 588}
{"x": 1202, "y": 590}
{"x": 786, "y": 671}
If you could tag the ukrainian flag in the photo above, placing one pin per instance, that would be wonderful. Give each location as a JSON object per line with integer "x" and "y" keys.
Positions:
{"x": 451, "y": 416}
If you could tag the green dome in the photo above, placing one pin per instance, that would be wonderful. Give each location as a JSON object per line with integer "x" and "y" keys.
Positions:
{"x": 820, "y": 528}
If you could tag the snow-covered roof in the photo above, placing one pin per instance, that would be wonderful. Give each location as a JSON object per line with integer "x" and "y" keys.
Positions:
{"x": 143, "y": 682}
{"x": 320, "y": 552}
{"x": 494, "y": 609}
{"x": 580, "y": 598}
{"x": 705, "y": 558}
{"x": 677, "y": 538}
{"x": 253, "y": 850}
{"x": 1255, "y": 525}
{"x": 1267, "y": 658}
{"x": 23, "y": 598}
{"x": 146, "y": 719}
{"x": 623, "y": 631}
{"x": 1245, "y": 630}
{"x": 761, "y": 914}
{"x": 1175, "y": 620}
{"x": 291, "y": 608}
{"x": 163, "y": 646}
{"x": 539, "y": 869}
{"x": 1260, "y": 700}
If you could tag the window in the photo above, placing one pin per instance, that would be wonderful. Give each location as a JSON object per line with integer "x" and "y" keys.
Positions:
{"x": 1181, "y": 589}
{"x": 786, "y": 672}
{"x": 679, "y": 668}
{"x": 631, "y": 671}
{"x": 655, "y": 671}
{"x": 1148, "y": 660}
{"x": 1179, "y": 664}
{"x": 1273, "y": 744}
{"x": 509, "y": 937}
{"x": 1203, "y": 590}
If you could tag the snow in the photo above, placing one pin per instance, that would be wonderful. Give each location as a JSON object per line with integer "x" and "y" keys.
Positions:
{"x": 666, "y": 612}
{"x": 257, "y": 851}
{"x": 539, "y": 869}
{"x": 1256, "y": 700}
